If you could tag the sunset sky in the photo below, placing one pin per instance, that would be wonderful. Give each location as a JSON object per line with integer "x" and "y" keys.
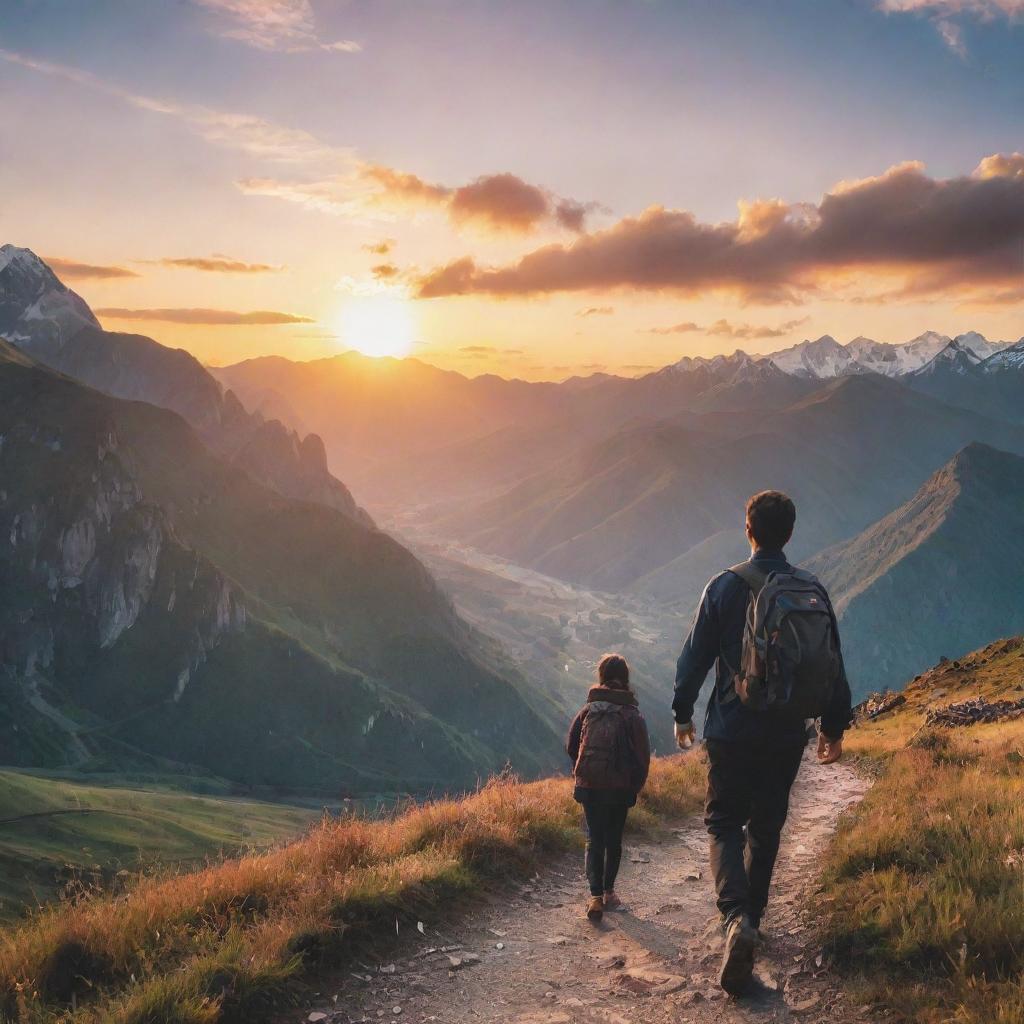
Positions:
{"x": 530, "y": 188}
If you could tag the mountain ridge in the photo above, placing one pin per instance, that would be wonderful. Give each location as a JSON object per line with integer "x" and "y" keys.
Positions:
{"x": 937, "y": 576}
{"x": 178, "y": 608}
{"x": 54, "y": 325}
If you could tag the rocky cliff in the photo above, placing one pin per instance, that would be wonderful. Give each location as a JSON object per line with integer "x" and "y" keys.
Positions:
{"x": 156, "y": 602}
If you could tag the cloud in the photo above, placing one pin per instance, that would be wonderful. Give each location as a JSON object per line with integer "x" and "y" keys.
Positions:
{"x": 385, "y": 271}
{"x": 254, "y": 136}
{"x": 953, "y": 36}
{"x": 403, "y": 186}
{"x": 478, "y": 351}
{"x": 596, "y": 311}
{"x": 72, "y": 270}
{"x": 381, "y": 248}
{"x": 209, "y": 317}
{"x": 214, "y": 264}
{"x": 494, "y": 202}
{"x": 932, "y": 235}
{"x": 942, "y": 13}
{"x": 986, "y": 10}
{"x": 1001, "y": 166}
{"x": 284, "y": 25}
{"x": 336, "y": 182}
{"x": 502, "y": 202}
{"x": 725, "y": 329}
{"x": 336, "y": 194}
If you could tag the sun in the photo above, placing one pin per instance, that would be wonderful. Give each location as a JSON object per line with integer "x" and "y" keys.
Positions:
{"x": 378, "y": 325}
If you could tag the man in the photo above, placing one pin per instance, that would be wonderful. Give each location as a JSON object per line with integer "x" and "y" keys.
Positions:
{"x": 753, "y": 755}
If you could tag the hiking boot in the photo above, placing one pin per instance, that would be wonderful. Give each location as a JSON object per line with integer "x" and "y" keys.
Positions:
{"x": 738, "y": 961}
{"x": 595, "y": 908}
{"x": 611, "y": 901}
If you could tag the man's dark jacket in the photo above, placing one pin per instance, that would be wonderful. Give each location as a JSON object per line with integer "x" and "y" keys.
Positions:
{"x": 716, "y": 638}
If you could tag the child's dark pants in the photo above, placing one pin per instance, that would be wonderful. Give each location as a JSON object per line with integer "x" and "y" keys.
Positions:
{"x": 605, "y": 822}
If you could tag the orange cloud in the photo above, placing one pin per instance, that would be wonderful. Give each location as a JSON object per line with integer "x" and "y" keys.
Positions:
{"x": 72, "y": 270}
{"x": 209, "y": 317}
{"x": 937, "y": 234}
{"x": 493, "y": 202}
{"x": 726, "y": 329}
{"x": 215, "y": 265}
{"x": 498, "y": 202}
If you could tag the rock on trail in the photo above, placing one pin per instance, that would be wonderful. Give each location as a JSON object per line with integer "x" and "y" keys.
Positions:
{"x": 531, "y": 957}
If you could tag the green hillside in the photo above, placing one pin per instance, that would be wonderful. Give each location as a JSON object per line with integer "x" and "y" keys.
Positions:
{"x": 155, "y": 597}
{"x": 56, "y": 833}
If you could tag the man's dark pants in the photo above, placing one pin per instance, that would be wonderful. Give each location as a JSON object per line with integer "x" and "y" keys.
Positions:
{"x": 748, "y": 789}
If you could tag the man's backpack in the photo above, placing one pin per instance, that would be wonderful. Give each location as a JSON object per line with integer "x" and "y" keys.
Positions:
{"x": 791, "y": 658}
{"x": 604, "y": 757}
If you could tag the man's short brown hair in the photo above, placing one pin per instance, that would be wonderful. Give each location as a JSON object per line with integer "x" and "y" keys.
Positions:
{"x": 770, "y": 519}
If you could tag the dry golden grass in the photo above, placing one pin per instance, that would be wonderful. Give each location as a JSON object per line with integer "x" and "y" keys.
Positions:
{"x": 228, "y": 942}
{"x": 925, "y": 881}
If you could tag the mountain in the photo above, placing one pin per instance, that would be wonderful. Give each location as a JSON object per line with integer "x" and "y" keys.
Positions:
{"x": 619, "y": 510}
{"x": 979, "y": 345}
{"x": 35, "y": 308}
{"x": 1010, "y": 358}
{"x": 158, "y": 603}
{"x": 825, "y": 357}
{"x": 45, "y": 319}
{"x": 993, "y": 385}
{"x": 406, "y": 434}
{"x": 369, "y": 408}
{"x": 938, "y": 576}
{"x": 822, "y": 358}
{"x": 956, "y": 358}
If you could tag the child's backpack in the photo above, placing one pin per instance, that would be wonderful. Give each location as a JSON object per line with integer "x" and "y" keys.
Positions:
{"x": 791, "y": 658}
{"x": 604, "y": 758}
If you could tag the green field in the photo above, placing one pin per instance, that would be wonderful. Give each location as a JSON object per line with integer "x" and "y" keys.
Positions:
{"x": 56, "y": 832}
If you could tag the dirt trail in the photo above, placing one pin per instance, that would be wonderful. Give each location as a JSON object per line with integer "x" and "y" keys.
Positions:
{"x": 655, "y": 961}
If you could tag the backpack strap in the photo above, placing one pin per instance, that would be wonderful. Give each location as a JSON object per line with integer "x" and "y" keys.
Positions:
{"x": 755, "y": 578}
{"x": 751, "y": 574}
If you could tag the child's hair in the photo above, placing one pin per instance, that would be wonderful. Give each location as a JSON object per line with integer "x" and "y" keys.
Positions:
{"x": 613, "y": 672}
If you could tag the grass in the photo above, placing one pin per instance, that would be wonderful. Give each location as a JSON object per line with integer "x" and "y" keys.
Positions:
{"x": 56, "y": 831}
{"x": 232, "y": 941}
{"x": 924, "y": 883}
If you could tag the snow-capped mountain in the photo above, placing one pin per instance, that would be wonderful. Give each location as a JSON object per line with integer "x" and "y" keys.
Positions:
{"x": 825, "y": 357}
{"x": 822, "y": 358}
{"x": 37, "y": 312}
{"x": 955, "y": 358}
{"x": 1009, "y": 358}
{"x": 719, "y": 364}
{"x": 740, "y": 368}
{"x": 893, "y": 360}
{"x": 875, "y": 356}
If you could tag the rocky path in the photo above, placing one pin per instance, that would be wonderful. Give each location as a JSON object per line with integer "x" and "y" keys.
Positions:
{"x": 534, "y": 959}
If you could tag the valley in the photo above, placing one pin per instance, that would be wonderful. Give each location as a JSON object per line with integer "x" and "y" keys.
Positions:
{"x": 356, "y": 580}
{"x": 557, "y": 631}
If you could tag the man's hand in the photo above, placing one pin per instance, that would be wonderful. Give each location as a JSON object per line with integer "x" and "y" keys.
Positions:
{"x": 829, "y": 750}
{"x": 686, "y": 735}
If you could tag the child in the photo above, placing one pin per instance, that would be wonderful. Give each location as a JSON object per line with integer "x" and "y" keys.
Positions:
{"x": 611, "y": 755}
